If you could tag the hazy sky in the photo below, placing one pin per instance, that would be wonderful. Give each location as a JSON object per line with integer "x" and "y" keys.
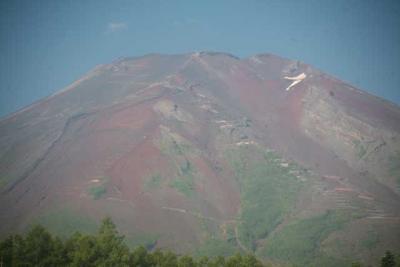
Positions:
{"x": 45, "y": 45}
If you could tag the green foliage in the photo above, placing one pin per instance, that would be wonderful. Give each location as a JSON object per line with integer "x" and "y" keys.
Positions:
{"x": 388, "y": 260}
{"x": 394, "y": 167}
{"x": 301, "y": 240}
{"x": 140, "y": 257}
{"x": 360, "y": 149}
{"x": 243, "y": 261}
{"x": 153, "y": 182}
{"x": 97, "y": 191}
{"x": 185, "y": 186}
{"x": 106, "y": 248}
{"x": 180, "y": 148}
{"x": 65, "y": 222}
{"x": 147, "y": 240}
{"x": 371, "y": 240}
{"x": 185, "y": 183}
{"x": 174, "y": 145}
{"x": 6, "y": 179}
{"x": 3, "y": 182}
{"x": 38, "y": 247}
{"x": 110, "y": 245}
{"x": 268, "y": 192}
{"x": 216, "y": 247}
{"x": 82, "y": 250}
{"x": 187, "y": 169}
{"x": 186, "y": 261}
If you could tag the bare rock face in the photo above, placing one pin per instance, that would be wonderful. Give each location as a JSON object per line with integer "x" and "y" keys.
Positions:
{"x": 208, "y": 153}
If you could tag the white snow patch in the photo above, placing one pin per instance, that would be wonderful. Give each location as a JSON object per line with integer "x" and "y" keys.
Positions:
{"x": 297, "y": 79}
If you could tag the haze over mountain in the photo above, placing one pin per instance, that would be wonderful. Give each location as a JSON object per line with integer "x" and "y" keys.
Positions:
{"x": 209, "y": 153}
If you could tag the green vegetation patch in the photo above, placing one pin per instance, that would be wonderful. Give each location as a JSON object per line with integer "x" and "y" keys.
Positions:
{"x": 216, "y": 247}
{"x": 147, "y": 240}
{"x": 98, "y": 188}
{"x": 185, "y": 186}
{"x": 179, "y": 150}
{"x": 97, "y": 191}
{"x": 361, "y": 150}
{"x": 394, "y": 167}
{"x": 187, "y": 169}
{"x": 185, "y": 182}
{"x": 65, "y": 222}
{"x": 3, "y": 182}
{"x": 171, "y": 143}
{"x": 153, "y": 182}
{"x": 300, "y": 241}
{"x": 371, "y": 241}
{"x": 268, "y": 192}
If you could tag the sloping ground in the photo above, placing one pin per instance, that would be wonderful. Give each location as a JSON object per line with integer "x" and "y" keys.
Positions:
{"x": 210, "y": 154}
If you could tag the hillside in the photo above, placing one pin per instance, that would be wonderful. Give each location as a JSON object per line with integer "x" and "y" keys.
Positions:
{"x": 209, "y": 154}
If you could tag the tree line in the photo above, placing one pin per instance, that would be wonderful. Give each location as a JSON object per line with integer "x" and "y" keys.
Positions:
{"x": 107, "y": 248}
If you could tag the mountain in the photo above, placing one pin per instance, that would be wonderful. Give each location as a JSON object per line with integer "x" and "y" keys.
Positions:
{"x": 210, "y": 154}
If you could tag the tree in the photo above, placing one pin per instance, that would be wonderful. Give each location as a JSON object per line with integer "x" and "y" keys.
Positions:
{"x": 110, "y": 245}
{"x": 204, "y": 262}
{"x": 39, "y": 248}
{"x": 251, "y": 261}
{"x": 217, "y": 262}
{"x": 6, "y": 251}
{"x": 388, "y": 260}
{"x": 106, "y": 248}
{"x": 140, "y": 257}
{"x": 168, "y": 259}
{"x": 38, "y": 244}
{"x": 84, "y": 251}
{"x": 234, "y": 261}
{"x": 18, "y": 251}
{"x": 186, "y": 261}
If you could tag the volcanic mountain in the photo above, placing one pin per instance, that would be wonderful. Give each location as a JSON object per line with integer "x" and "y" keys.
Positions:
{"x": 210, "y": 154}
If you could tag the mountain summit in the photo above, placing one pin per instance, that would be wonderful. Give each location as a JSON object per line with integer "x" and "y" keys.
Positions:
{"x": 210, "y": 154}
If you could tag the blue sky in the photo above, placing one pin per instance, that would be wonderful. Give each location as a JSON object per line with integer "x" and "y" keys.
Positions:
{"x": 45, "y": 45}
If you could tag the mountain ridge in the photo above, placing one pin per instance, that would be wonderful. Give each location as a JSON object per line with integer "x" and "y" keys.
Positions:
{"x": 120, "y": 59}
